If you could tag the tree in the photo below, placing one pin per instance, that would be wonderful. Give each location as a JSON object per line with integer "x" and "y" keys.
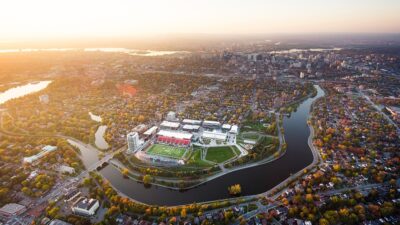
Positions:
{"x": 141, "y": 119}
{"x": 309, "y": 198}
{"x": 125, "y": 172}
{"x": 26, "y": 191}
{"x": 147, "y": 179}
{"x": 3, "y": 193}
{"x": 87, "y": 182}
{"x": 53, "y": 212}
{"x": 323, "y": 221}
{"x": 235, "y": 189}
{"x": 183, "y": 213}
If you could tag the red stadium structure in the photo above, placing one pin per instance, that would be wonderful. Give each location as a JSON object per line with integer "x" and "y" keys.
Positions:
{"x": 127, "y": 90}
{"x": 173, "y": 141}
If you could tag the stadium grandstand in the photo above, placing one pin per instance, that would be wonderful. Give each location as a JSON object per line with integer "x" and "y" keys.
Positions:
{"x": 174, "y": 138}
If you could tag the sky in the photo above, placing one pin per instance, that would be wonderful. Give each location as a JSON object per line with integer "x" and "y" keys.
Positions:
{"x": 36, "y": 19}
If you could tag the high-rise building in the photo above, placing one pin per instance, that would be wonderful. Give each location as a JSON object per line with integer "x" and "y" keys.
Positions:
{"x": 133, "y": 142}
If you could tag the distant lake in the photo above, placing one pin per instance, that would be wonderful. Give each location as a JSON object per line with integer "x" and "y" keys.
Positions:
{"x": 296, "y": 50}
{"x": 22, "y": 90}
{"x": 128, "y": 51}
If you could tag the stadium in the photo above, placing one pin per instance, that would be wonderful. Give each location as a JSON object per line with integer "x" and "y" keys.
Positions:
{"x": 172, "y": 142}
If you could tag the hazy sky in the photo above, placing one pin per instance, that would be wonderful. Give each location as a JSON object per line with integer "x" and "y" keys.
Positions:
{"x": 27, "y": 19}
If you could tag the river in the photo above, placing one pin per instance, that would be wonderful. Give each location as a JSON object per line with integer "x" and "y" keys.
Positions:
{"x": 22, "y": 90}
{"x": 254, "y": 180}
{"x": 99, "y": 141}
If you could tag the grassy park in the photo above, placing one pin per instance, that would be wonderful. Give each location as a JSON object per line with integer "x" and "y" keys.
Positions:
{"x": 220, "y": 154}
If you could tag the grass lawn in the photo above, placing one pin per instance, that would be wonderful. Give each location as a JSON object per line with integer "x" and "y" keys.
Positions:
{"x": 195, "y": 160}
{"x": 252, "y": 126}
{"x": 252, "y": 136}
{"x": 219, "y": 154}
{"x": 167, "y": 151}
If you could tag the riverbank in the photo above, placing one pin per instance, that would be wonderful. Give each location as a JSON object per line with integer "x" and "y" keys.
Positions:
{"x": 316, "y": 161}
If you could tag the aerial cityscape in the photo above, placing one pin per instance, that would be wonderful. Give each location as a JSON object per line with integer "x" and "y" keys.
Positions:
{"x": 193, "y": 116}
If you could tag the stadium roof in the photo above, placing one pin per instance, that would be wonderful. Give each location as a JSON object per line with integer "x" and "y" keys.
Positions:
{"x": 190, "y": 127}
{"x": 189, "y": 121}
{"x": 210, "y": 122}
{"x": 175, "y": 134}
{"x": 169, "y": 124}
{"x": 151, "y": 130}
{"x": 214, "y": 135}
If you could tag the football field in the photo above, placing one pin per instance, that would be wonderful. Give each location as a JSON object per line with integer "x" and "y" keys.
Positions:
{"x": 167, "y": 151}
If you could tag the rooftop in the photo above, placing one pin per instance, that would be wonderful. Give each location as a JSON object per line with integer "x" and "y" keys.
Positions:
{"x": 170, "y": 124}
{"x": 85, "y": 203}
{"x": 214, "y": 135}
{"x": 12, "y": 208}
{"x": 151, "y": 130}
{"x": 175, "y": 134}
{"x": 189, "y": 121}
{"x": 210, "y": 122}
{"x": 191, "y": 127}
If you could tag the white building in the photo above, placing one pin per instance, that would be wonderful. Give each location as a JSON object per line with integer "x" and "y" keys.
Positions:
{"x": 211, "y": 124}
{"x": 65, "y": 169}
{"x": 133, "y": 142}
{"x": 151, "y": 131}
{"x": 85, "y": 206}
{"x": 44, "y": 99}
{"x": 234, "y": 129}
{"x": 45, "y": 150}
{"x": 226, "y": 127}
{"x": 169, "y": 125}
{"x": 192, "y": 122}
{"x": 231, "y": 138}
{"x": 191, "y": 128}
{"x": 214, "y": 135}
{"x": 171, "y": 116}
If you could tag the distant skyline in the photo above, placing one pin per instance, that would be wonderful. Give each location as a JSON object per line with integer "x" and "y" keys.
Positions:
{"x": 52, "y": 19}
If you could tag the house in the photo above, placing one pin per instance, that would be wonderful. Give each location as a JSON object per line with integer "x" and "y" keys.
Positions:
{"x": 85, "y": 206}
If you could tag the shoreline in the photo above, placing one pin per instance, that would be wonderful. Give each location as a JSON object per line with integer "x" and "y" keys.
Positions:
{"x": 227, "y": 170}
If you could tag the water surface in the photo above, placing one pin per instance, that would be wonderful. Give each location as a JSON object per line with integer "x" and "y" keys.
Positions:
{"x": 99, "y": 141}
{"x": 22, "y": 90}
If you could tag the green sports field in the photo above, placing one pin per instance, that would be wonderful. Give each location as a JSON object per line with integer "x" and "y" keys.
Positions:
{"x": 166, "y": 151}
{"x": 220, "y": 154}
